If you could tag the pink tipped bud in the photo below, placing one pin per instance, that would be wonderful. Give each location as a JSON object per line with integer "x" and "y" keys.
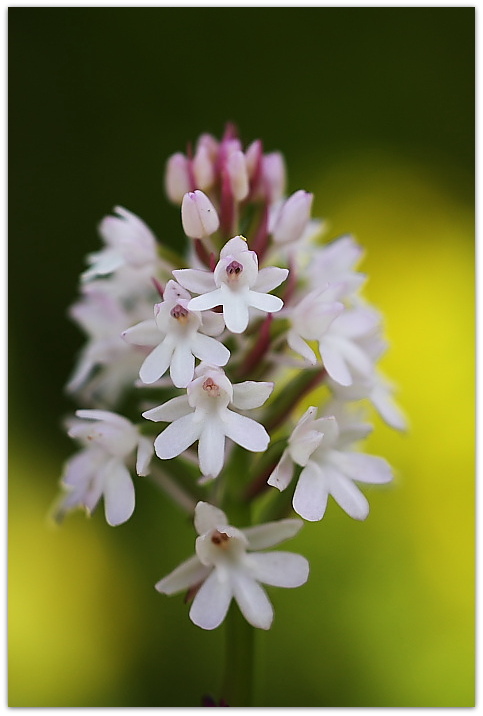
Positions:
{"x": 209, "y": 143}
{"x": 177, "y": 179}
{"x": 203, "y": 168}
{"x": 274, "y": 175}
{"x": 253, "y": 157}
{"x": 237, "y": 172}
{"x": 293, "y": 217}
{"x": 198, "y": 215}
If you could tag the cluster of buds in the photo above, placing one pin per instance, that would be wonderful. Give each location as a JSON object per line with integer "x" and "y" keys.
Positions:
{"x": 228, "y": 344}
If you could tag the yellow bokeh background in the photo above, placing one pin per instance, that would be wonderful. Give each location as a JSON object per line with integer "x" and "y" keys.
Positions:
{"x": 387, "y": 617}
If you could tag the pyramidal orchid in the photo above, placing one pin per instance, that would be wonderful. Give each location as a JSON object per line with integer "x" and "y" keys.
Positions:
{"x": 201, "y": 372}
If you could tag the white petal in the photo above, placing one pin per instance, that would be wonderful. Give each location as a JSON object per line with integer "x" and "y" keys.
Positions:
{"x": 311, "y": 494}
{"x": 118, "y": 493}
{"x": 235, "y": 311}
{"x": 188, "y": 574}
{"x": 211, "y": 447}
{"x": 157, "y": 362}
{"x": 145, "y": 453}
{"x": 265, "y": 302}
{"x": 252, "y": 600}
{"x": 177, "y": 437}
{"x": 387, "y": 408}
{"x": 195, "y": 280}
{"x": 145, "y": 333}
{"x": 279, "y": 569}
{"x": 212, "y": 323}
{"x": 365, "y": 468}
{"x": 298, "y": 345}
{"x": 334, "y": 363}
{"x": 357, "y": 322}
{"x": 104, "y": 415}
{"x": 271, "y": 533}
{"x": 283, "y": 472}
{"x": 302, "y": 448}
{"x": 250, "y": 394}
{"x": 169, "y": 411}
{"x": 206, "y": 301}
{"x": 246, "y": 432}
{"x": 208, "y": 517}
{"x": 209, "y": 349}
{"x": 182, "y": 365}
{"x": 269, "y": 278}
{"x": 348, "y": 496}
{"x": 233, "y": 246}
{"x": 211, "y": 602}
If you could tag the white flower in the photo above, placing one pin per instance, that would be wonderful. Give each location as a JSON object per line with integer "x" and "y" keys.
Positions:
{"x": 129, "y": 242}
{"x": 311, "y": 318}
{"x": 184, "y": 335}
{"x": 321, "y": 447}
{"x": 342, "y": 347}
{"x": 236, "y": 284}
{"x": 203, "y": 415}
{"x": 334, "y": 263}
{"x": 99, "y": 469}
{"x": 226, "y": 568}
{"x": 106, "y": 365}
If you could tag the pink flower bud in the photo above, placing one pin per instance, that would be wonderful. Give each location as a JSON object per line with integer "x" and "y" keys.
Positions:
{"x": 274, "y": 175}
{"x": 177, "y": 179}
{"x": 237, "y": 171}
{"x": 203, "y": 168}
{"x": 198, "y": 215}
{"x": 208, "y": 142}
{"x": 253, "y": 156}
{"x": 293, "y": 217}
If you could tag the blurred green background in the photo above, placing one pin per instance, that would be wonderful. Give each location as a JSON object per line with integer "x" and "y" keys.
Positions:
{"x": 374, "y": 111}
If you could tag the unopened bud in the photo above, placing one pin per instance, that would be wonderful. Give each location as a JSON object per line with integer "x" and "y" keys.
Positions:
{"x": 253, "y": 156}
{"x": 198, "y": 215}
{"x": 203, "y": 168}
{"x": 293, "y": 217}
{"x": 274, "y": 175}
{"x": 237, "y": 171}
{"x": 177, "y": 178}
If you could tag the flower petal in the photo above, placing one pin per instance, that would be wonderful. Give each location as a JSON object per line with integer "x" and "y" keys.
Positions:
{"x": 348, "y": 496}
{"x": 169, "y": 411}
{"x": 245, "y": 432}
{"x": 177, "y": 437}
{"x": 250, "y": 394}
{"x": 271, "y": 533}
{"x": 145, "y": 333}
{"x": 211, "y": 447}
{"x": 364, "y": 468}
{"x": 182, "y": 366}
{"x": 298, "y": 345}
{"x": 279, "y": 569}
{"x": 265, "y": 302}
{"x": 195, "y": 280}
{"x": 188, "y": 574}
{"x": 208, "y": 517}
{"x": 283, "y": 472}
{"x": 311, "y": 494}
{"x": 206, "y": 301}
{"x": 235, "y": 310}
{"x": 269, "y": 278}
{"x": 209, "y": 349}
{"x": 252, "y": 600}
{"x": 144, "y": 455}
{"x": 212, "y": 323}
{"x": 157, "y": 362}
{"x": 118, "y": 492}
{"x": 334, "y": 363}
{"x": 211, "y": 602}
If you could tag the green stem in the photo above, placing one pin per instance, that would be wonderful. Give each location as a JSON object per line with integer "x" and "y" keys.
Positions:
{"x": 237, "y": 687}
